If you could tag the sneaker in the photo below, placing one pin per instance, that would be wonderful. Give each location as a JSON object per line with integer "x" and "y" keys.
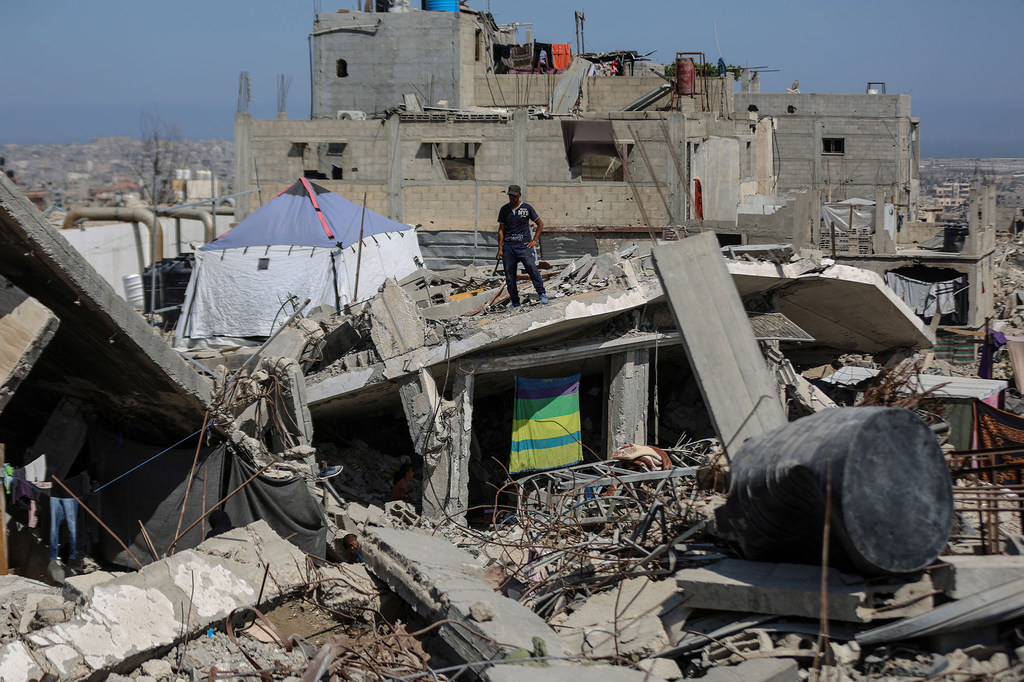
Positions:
{"x": 329, "y": 472}
{"x": 543, "y": 298}
{"x": 514, "y": 305}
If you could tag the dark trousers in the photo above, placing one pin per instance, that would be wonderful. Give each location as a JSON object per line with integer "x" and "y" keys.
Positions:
{"x": 511, "y": 256}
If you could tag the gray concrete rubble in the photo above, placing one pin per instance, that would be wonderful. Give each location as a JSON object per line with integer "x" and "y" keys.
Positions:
{"x": 442, "y": 582}
{"x": 125, "y": 620}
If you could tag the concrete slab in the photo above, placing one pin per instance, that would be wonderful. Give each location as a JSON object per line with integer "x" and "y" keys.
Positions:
{"x": 26, "y": 327}
{"x": 557, "y": 671}
{"x": 734, "y": 380}
{"x": 962, "y": 576}
{"x": 441, "y": 582}
{"x": 104, "y": 351}
{"x": 795, "y": 590}
{"x": 757, "y": 670}
{"x": 128, "y": 618}
{"x": 844, "y": 308}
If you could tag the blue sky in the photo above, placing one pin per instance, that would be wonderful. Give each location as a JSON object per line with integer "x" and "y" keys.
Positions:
{"x": 76, "y": 70}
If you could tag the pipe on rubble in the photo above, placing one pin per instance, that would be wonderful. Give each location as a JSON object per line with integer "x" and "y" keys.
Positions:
{"x": 199, "y": 214}
{"x": 134, "y": 215}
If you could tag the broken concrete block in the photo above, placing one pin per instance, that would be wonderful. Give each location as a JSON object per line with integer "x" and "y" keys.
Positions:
{"x": 558, "y": 671}
{"x": 401, "y": 513}
{"x": 397, "y": 326}
{"x": 157, "y": 668}
{"x": 42, "y": 610}
{"x": 17, "y": 663}
{"x": 127, "y": 619}
{"x": 962, "y": 576}
{"x": 441, "y": 582}
{"x": 26, "y": 327}
{"x": 77, "y": 587}
{"x": 360, "y": 515}
{"x": 756, "y": 670}
{"x": 481, "y": 611}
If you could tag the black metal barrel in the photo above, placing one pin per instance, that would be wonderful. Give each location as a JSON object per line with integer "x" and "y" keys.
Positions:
{"x": 892, "y": 496}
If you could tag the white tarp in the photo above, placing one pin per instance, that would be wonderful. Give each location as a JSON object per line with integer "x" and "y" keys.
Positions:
{"x": 858, "y": 211}
{"x": 243, "y": 292}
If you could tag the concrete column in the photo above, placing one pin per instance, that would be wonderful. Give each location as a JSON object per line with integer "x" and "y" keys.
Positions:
{"x": 815, "y": 199}
{"x": 394, "y": 168}
{"x": 677, "y": 185}
{"x": 802, "y": 225}
{"x": 520, "y": 127}
{"x": 243, "y": 163}
{"x": 881, "y": 242}
{"x": 817, "y": 174}
{"x": 628, "y": 398}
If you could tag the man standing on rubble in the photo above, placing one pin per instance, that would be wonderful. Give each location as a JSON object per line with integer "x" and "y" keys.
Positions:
{"x": 515, "y": 244}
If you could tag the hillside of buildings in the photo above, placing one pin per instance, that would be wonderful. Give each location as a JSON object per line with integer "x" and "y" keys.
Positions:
{"x": 71, "y": 174}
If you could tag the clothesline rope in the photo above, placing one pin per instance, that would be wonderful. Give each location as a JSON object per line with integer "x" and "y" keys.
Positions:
{"x": 139, "y": 466}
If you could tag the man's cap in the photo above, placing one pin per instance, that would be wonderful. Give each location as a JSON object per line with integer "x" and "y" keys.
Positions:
{"x": 515, "y": 189}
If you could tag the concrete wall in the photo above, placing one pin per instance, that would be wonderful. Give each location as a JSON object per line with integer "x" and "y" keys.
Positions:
{"x": 880, "y": 144}
{"x": 405, "y": 181}
{"x": 387, "y": 55}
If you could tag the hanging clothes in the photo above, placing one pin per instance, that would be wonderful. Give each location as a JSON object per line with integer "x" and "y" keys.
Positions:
{"x": 925, "y": 298}
{"x": 561, "y": 55}
{"x": 993, "y": 342}
{"x": 1015, "y": 347}
{"x": 521, "y": 57}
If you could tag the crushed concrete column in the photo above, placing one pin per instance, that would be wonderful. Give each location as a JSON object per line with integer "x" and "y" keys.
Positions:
{"x": 628, "y": 398}
{"x": 734, "y": 380}
{"x": 430, "y": 418}
{"x": 462, "y": 441}
{"x": 290, "y": 404}
{"x": 677, "y": 185}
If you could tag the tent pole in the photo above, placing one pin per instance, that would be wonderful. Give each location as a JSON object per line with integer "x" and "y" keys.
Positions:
{"x": 359, "y": 258}
{"x": 334, "y": 268}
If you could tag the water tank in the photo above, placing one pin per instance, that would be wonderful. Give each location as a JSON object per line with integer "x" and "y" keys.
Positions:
{"x": 442, "y": 5}
{"x": 890, "y": 490}
{"x": 686, "y": 76}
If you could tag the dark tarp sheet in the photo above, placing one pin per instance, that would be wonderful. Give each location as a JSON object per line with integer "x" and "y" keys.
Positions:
{"x": 152, "y": 494}
{"x": 285, "y": 505}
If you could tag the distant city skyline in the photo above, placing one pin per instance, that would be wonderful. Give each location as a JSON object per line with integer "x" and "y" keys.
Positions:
{"x": 88, "y": 70}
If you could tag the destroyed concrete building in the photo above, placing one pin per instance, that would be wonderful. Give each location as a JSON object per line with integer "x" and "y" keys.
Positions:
{"x": 687, "y": 358}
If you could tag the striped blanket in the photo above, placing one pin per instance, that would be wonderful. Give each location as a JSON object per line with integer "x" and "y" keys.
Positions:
{"x": 546, "y": 426}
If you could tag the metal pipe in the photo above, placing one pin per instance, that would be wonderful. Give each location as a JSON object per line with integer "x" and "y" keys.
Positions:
{"x": 125, "y": 215}
{"x": 199, "y": 214}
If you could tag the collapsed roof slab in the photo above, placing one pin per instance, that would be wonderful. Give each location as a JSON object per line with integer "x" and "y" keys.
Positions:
{"x": 104, "y": 352}
{"x": 845, "y": 309}
{"x": 333, "y": 393}
{"x": 26, "y": 327}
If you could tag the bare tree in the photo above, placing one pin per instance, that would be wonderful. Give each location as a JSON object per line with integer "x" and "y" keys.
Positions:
{"x": 154, "y": 159}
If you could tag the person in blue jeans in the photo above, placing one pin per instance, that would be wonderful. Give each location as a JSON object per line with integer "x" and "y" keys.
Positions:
{"x": 515, "y": 243}
{"x": 63, "y": 510}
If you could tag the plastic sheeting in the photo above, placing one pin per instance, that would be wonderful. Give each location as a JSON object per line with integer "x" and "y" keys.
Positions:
{"x": 861, "y": 210}
{"x": 229, "y": 294}
{"x": 152, "y": 494}
{"x": 925, "y": 298}
{"x": 285, "y": 504}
